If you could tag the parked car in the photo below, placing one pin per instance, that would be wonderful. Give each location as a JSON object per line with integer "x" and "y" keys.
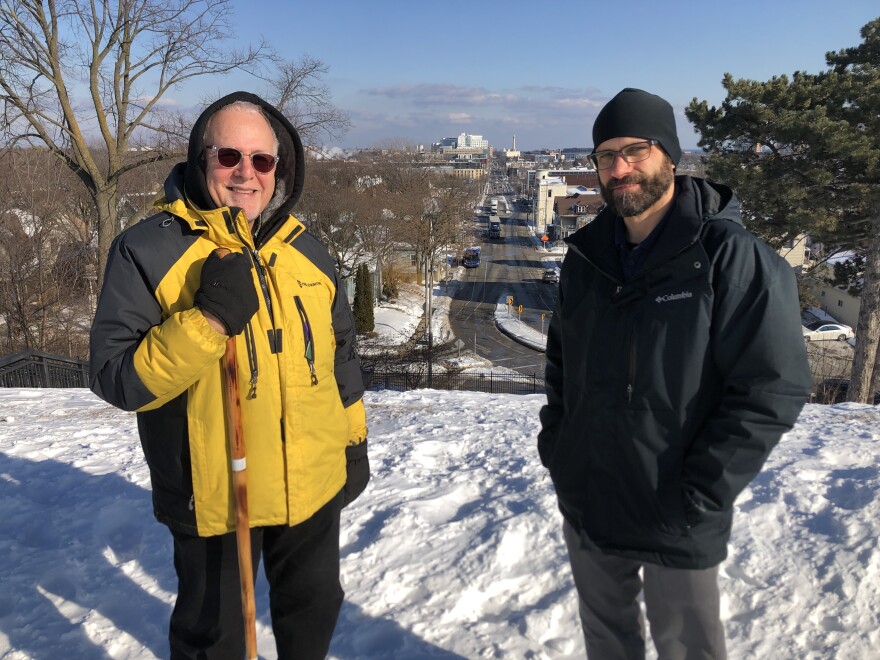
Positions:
{"x": 833, "y": 390}
{"x": 837, "y": 331}
{"x": 550, "y": 275}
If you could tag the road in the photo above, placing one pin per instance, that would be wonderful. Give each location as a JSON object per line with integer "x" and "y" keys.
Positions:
{"x": 510, "y": 267}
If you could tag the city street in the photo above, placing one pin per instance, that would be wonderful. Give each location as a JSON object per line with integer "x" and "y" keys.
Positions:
{"x": 510, "y": 267}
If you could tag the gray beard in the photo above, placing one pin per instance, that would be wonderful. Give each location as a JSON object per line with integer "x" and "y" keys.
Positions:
{"x": 631, "y": 204}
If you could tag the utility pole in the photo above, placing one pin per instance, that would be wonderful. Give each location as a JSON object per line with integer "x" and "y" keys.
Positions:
{"x": 429, "y": 295}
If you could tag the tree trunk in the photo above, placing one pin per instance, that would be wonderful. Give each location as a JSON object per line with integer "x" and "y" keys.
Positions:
{"x": 866, "y": 352}
{"x": 107, "y": 229}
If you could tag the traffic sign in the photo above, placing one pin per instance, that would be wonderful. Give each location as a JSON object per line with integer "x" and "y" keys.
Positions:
{"x": 545, "y": 238}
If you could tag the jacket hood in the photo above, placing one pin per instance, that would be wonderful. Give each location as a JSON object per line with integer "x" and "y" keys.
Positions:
{"x": 289, "y": 173}
{"x": 710, "y": 200}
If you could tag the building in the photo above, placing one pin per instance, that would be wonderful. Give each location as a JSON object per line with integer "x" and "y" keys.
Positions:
{"x": 797, "y": 252}
{"x": 547, "y": 189}
{"x": 836, "y": 301}
{"x": 466, "y": 141}
{"x": 576, "y": 176}
{"x": 464, "y": 147}
{"x": 572, "y": 212}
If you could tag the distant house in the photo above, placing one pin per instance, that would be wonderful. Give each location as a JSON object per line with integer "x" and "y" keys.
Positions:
{"x": 836, "y": 301}
{"x": 572, "y": 212}
{"x": 797, "y": 252}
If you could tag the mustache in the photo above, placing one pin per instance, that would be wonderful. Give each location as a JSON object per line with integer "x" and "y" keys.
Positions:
{"x": 627, "y": 180}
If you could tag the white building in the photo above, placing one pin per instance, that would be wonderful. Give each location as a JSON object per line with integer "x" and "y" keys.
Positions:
{"x": 467, "y": 141}
{"x": 547, "y": 189}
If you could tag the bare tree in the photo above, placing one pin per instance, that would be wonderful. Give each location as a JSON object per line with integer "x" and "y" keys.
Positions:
{"x": 298, "y": 92}
{"x": 43, "y": 247}
{"x": 124, "y": 55}
{"x": 376, "y": 223}
{"x": 329, "y": 208}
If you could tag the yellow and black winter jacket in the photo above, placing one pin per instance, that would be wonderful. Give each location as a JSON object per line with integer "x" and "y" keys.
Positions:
{"x": 154, "y": 353}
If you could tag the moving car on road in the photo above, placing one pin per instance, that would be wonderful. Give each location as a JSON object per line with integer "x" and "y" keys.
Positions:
{"x": 550, "y": 275}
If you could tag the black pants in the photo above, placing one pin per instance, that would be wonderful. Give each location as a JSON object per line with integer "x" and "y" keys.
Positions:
{"x": 302, "y": 568}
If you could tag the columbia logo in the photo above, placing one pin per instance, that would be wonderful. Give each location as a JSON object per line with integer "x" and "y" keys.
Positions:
{"x": 301, "y": 283}
{"x": 673, "y": 296}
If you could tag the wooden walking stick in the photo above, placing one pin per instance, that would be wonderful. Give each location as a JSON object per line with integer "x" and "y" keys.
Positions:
{"x": 239, "y": 493}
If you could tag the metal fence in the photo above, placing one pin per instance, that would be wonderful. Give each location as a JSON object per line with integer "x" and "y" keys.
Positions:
{"x": 35, "y": 369}
{"x": 473, "y": 382}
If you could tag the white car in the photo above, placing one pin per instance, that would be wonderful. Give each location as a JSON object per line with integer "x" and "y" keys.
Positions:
{"x": 820, "y": 331}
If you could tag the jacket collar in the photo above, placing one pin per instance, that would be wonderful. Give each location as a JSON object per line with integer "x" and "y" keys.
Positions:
{"x": 698, "y": 201}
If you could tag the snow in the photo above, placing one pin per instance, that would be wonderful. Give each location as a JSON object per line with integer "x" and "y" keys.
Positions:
{"x": 455, "y": 549}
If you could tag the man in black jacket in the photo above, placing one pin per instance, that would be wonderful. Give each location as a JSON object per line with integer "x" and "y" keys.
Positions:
{"x": 675, "y": 363}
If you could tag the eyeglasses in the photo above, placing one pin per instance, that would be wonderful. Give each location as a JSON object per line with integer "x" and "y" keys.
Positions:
{"x": 229, "y": 157}
{"x": 631, "y": 153}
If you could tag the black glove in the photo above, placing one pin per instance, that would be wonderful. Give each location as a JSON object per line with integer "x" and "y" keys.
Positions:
{"x": 226, "y": 290}
{"x": 357, "y": 472}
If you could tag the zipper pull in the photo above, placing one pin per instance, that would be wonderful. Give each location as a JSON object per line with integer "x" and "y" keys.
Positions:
{"x": 307, "y": 338}
{"x": 629, "y": 393}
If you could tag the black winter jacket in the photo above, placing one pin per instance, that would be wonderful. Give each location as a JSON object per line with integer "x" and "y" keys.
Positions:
{"x": 666, "y": 394}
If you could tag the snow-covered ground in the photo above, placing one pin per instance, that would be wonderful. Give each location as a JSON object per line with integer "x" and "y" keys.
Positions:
{"x": 453, "y": 551}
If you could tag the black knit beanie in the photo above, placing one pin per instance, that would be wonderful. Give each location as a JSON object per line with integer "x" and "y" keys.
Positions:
{"x": 636, "y": 113}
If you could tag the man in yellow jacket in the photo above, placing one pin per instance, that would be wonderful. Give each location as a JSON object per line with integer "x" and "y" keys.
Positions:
{"x": 168, "y": 305}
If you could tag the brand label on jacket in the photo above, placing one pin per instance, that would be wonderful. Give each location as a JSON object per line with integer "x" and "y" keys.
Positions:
{"x": 669, "y": 297}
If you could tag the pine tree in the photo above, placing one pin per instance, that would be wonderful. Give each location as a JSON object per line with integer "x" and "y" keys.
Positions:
{"x": 803, "y": 154}
{"x": 363, "y": 301}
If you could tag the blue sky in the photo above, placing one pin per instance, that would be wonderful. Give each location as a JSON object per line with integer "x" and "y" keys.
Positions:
{"x": 421, "y": 70}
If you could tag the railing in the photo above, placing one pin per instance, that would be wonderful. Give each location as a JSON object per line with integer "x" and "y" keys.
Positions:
{"x": 35, "y": 369}
{"x": 474, "y": 382}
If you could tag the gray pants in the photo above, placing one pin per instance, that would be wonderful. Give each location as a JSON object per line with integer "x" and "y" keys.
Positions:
{"x": 683, "y": 607}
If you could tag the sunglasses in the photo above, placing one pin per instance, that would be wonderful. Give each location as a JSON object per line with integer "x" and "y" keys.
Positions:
{"x": 229, "y": 157}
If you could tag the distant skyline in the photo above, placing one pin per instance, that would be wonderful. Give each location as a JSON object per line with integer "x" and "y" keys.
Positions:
{"x": 422, "y": 71}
